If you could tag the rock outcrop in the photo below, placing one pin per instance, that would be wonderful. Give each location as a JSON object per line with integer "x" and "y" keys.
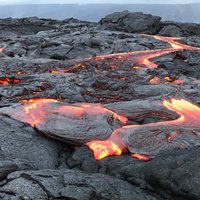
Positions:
{"x": 131, "y": 22}
{"x": 146, "y": 23}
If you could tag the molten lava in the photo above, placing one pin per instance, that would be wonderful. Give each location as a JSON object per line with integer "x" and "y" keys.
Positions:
{"x": 189, "y": 118}
{"x": 141, "y": 157}
{"x": 169, "y": 79}
{"x": 155, "y": 80}
{"x": 35, "y": 111}
{"x": 6, "y": 81}
{"x": 189, "y": 113}
{"x": 173, "y": 42}
{"x": 102, "y": 149}
{"x": 140, "y": 58}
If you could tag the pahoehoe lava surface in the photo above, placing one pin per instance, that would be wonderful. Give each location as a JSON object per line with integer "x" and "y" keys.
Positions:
{"x": 74, "y": 93}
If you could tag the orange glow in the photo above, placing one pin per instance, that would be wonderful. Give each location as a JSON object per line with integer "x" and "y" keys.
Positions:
{"x": 171, "y": 136}
{"x": 189, "y": 116}
{"x": 155, "y": 80}
{"x": 173, "y": 42}
{"x": 104, "y": 149}
{"x": 168, "y": 79}
{"x": 35, "y": 111}
{"x": 144, "y": 58}
{"x": 6, "y": 81}
{"x": 178, "y": 82}
{"x": 136, "y": 67}
{"x": 141, "y": 157}
{"x": 123, "y": 78}
{"x": 20, "y": 73}
{"x": 141, "y": 58}
{"x": 54, "y": 71}
{"x": 189, "y": 113}
{"x": 176, "y": 46}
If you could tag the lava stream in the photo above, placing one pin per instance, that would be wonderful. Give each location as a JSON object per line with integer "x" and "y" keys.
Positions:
{"x": 35, "y": 111}
{"x": 6, "y": 81}
{"x": 143, "y": 57}
{"x": 189, "y": 122}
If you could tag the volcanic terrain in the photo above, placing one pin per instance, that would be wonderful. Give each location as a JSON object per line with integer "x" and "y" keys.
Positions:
{"x": 107, "y": 110}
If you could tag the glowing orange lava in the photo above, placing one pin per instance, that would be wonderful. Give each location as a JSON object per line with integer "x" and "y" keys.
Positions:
{"x": 173, "y": 42}
{"x": 141, "y": 157}
{"x": 6, "y": 81}
{"x": 189, "y": 113}
{"x": 189, "y": 117}
{"x": 141, "y": 58}
{"x": 102, "y": 149}
{"x": 168, "y": 79}
{"x": 20, "y": 73}
{"x": 35, "y": 111}
{"x": 155, "y": 80}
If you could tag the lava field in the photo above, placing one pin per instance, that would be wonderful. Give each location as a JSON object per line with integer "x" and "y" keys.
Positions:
{"x": 92, "y": 111}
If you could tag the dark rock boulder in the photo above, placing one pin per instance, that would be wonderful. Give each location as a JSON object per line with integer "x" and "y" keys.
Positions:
{"x": 172, "y": 173}
{"x": 131, "y": 22}
{"x": 19, "y": 141}
{"x": 171, "y": 30}
{"x": 70, "y": 184}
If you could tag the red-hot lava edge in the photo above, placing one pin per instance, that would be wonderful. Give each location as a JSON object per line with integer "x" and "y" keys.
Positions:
{"x": 142, "y": 58}
{"x": 35, "y": 112}
{"x": 114, "y": 145}
{"x": 189, "y": 117}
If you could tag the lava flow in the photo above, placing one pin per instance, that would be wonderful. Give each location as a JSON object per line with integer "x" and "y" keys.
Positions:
{"x": 176, "y": 46}
{"x": 6, "y": 81}
{"x": 77, "y": 123}
{"x": 35, "y": 111}
{"x": 147, "y": 140}
{"x": 92, "y": 124}
{"x": 143, "y": 58}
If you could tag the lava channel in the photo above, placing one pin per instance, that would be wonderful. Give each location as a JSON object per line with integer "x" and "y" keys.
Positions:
{"x": 143, "y": 58}
{"x": 145, "y": 141}
{"x": 7, "y": 81}
{"x": 77, "y": 123}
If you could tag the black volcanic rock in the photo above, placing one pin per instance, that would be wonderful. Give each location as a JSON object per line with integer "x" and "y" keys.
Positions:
{"x": 63, "y": 60}
{"x": 70, "y": 184}
{"x": 131, "y": 22}
{"x": 171, "y": 28}
{"x": 172, "y": 174}
{"x": 21, "y": 142}
{"x": 137, "y": 22}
